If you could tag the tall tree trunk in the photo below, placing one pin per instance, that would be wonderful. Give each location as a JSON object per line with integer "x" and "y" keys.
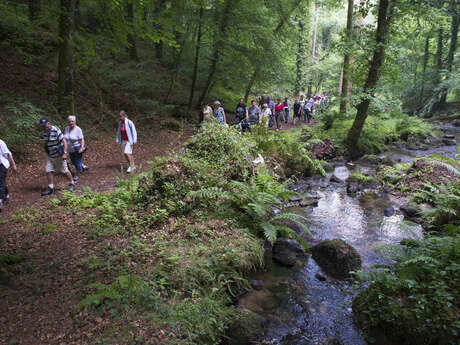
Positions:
{"x": 159, "y": 5}
{"x": 439, "y": 55}
{"x": 278, "y": 28}
{"x": 385, "y": 15}
{"x": 300, "y": 57}
{"x": 132, "y": 49}
{"x": 177, "y": 62}
{"x": 197, "y": 58}
{"x": 218, "y": 46}
{"x": 65, "y": 64}
{"x": 346, "y": 62}
{"x": 248, "y": 89}
{"x": 426, "y": 56}
{"x": 314, "y": 41}
{"x": 34, "y": 9}
{"x": 453, "y": 45}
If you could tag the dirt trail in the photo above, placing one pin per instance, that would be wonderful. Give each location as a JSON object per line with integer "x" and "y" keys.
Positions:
{"x": 37, "y": 301}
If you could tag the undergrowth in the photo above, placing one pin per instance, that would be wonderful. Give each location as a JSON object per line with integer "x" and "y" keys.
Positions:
{"x": 174, "y": 245}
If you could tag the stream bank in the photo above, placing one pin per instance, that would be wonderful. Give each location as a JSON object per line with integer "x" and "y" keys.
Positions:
{"x": 304, "y": 305}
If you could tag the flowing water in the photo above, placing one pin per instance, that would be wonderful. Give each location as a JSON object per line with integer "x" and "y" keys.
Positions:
{"x": 297, "y": 304}
{"x": 302, "y": 305}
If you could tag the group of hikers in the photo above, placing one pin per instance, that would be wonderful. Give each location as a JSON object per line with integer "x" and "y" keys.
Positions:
{"x": 59, "y": 146}
{"x": 267, "y": 112}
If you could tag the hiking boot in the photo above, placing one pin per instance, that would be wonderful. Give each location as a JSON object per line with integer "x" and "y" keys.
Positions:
{"x": 85, "y": 168}
{"x": 48, "y": 191}
{"x": 76, "y": 178}
{"x": 7, "y": 199}
{"x": 1, "y": 205}
{"x": 71, "y": 187}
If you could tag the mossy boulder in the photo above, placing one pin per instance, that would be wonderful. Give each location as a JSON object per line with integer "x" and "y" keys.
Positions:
{"x": 245, "y": 329}
{"x": 328, "y": 167}
{"x": 370, "y": 159}
{"x": 337, "y": 258}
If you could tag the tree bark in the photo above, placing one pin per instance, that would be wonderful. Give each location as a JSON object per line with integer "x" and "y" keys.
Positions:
{"x": 197, "y": 58}
{"x": 385, "y": 14}
{"x": 346, "y": 63}
{"x": 65, "y": 64}
{"x": 132, "y": 48}
{"x": 159, "y": 4}
{"x": 425, "y": 63}
{"x": 314, "y": 39}
{"x": 248, "y": 89}
{"x": 218, "y": 46}
{"x": 34, "y": 9}
{"x": 300, "y": 57}
{"x": 452, "y": 47}
{"x": 278, "y": 28}
{"x": 439, "y": 55}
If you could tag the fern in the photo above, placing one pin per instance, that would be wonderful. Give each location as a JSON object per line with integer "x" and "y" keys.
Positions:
{"x": 250, "y": 205}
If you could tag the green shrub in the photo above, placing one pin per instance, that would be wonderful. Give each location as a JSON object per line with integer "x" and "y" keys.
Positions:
{"x": 172, "y": 125}
{"x": 18, "y": 130}
{"x": 419, "y": 303}
{"x": 360, "y": 178}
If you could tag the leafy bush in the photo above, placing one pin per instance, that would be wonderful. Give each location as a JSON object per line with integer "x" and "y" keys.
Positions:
{"x": 419, "y": 303}
{"x": 17, "y": 130}
{"x": 251, "y": 206}
{"x": 446, "y": 201}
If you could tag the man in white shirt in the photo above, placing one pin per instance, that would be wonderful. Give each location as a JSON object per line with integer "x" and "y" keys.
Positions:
{"x": 6, "y": 160}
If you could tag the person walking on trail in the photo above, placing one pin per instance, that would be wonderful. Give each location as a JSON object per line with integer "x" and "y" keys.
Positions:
{"x": 266, "y": 115}
{"x": 287, "y": 109}
{"x": 75, "y": 144}
{"x": 56, "y": 155}
{"x": 206, "y": 112}
{"x": 308, "y": 109}
{"x": 271, "y": 106}
{"x": 241, "y": 112}
{"x": 255, "y": 115}
{"x": 6, "y": 160}
{"x": 127, "y": 136}
{"x": 297, "y": 111}
{"x": 279, "y": 114}
{"x": 219, "y": 113}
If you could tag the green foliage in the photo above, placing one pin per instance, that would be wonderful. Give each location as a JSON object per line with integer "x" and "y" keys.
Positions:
{"x": 445, "y": 199}
{"x": 419, "y": 302}
{"x": 251, "y": 206}
{"x": 172, "y": 125}
{"x": 360, "y": 178}
{"x": 288, "y": 148}
{"x": 18, "y": 130}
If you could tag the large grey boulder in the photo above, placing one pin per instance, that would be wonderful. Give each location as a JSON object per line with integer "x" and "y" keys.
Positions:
{"x": 337, "y": 258}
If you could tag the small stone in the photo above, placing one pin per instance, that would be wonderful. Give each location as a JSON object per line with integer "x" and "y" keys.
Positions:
{"x": 449, "y": 142}
{"x": 389, "y": 211}
{"x": 294, "y": 198}
{"x": 449, "y": 136}
{"x": 286, "y": 251}
{"x": 276, "y": 211}
{"x": 335, "y": 179}
{"x": 303, "y": 203}
{"x": 409, "y": 211}
{"x": 257, "y": 284}
{"x": 320, "y": 277}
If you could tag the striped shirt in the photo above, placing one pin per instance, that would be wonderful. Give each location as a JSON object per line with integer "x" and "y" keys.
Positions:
{"x": 53, "y": 142}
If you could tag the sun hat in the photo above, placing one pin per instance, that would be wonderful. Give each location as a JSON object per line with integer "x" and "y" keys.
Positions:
{"x": 43, "y": 121}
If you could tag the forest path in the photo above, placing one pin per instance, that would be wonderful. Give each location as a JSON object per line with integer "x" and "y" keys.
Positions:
{"x": 39, "y": 296}
{"x": 105, "y": 163}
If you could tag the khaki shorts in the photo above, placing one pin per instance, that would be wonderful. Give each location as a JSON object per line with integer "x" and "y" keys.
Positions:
{"x": 56, "y": 165}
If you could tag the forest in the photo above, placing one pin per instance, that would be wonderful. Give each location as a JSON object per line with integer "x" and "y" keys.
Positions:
{"x": 168, "y": 226}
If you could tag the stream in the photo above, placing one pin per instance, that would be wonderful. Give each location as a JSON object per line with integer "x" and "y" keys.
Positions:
{"x": 302, "y": 305}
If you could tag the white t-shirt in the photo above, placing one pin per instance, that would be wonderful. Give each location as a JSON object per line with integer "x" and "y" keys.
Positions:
{"x": 73, "y": 138}
{"x": 4, "y": 152}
